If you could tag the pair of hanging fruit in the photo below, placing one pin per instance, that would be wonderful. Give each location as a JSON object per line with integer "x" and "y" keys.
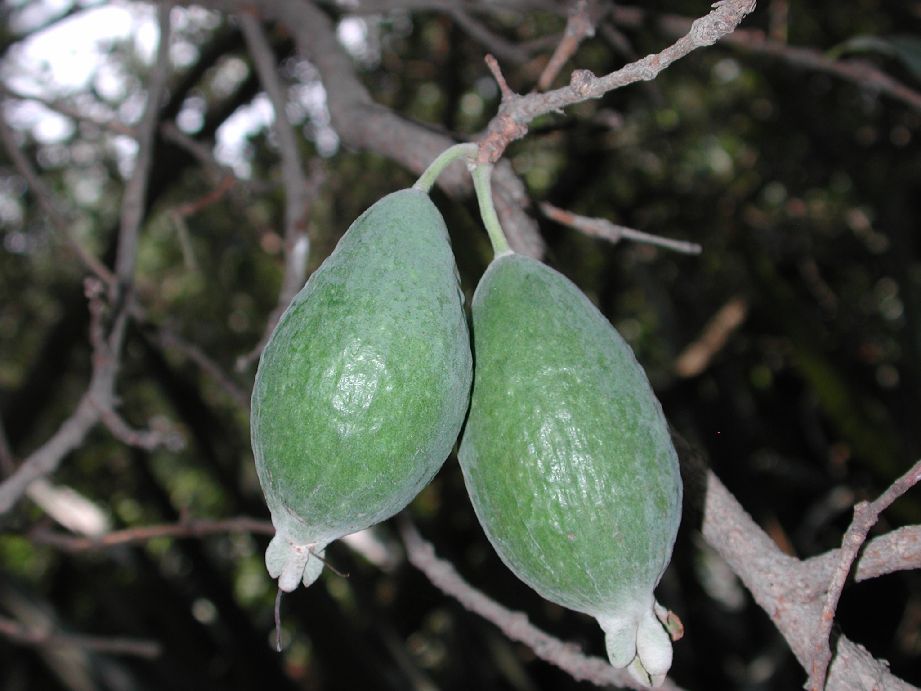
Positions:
{"x": 362, "y": 390}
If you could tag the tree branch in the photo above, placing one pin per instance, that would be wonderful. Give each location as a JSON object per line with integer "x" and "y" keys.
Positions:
{"x": 100, "y": 393}
{"x": 107, "y": 122}
{"x": 898, "y": 550}
{"x": 364, "y": 124}
{"x": 788, "y": 589}
{"x": 384, "y": 554}
{"x": 200, "y": 151}
{"x": 132, "y": 208}
{"x": 613, "y": 233}
{"x": 168, "y": 338}
{"x": 695, "y": 358}
{"x": 510, "y": 52}
{"x": 49, "y": 204}
{"x": 299, "y": 192}
{"x": 157, "y": 437}
{"x": 865, "y": 516}
{"x": 46, "y": 459}
{"x": 115, "y": 645}
{"x": 515, "y": 113}
{"x": 515, "y": 625}
{"x": 859, "y": 72}
{"x": 580, "y": 24}
{"x": 195, "y": 528}
{"x": 780, "y": 584}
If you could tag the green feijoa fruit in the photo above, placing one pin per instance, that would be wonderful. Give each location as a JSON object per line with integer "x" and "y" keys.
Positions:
{"x": 568, "y": 460}
{"x": 363, "y": 386}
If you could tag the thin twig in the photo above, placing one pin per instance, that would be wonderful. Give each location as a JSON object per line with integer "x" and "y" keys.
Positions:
{"x": 115, "y": 645}
{"x": 107, "y": 122}
{"x": 296, "y": 259}
{"x": 45, "y": 460}
{"x": 778, "y": 20}
{"x": 297, "y": 187}
{"x": 695, "y": 358}
{"x": 178, "y": 215}
{"x": 508, "y": 51}
{"x": 493, "y": 65}
{"x": 168, "y": 338}
{"x": 148, "y": 439}
{"x": 200, "y": 151}
{"x": 50, "y": 205}
{"x": 860, "y": 72}
{"x": 203, "y": 152}
{"x": 580, "y": 24}
{"x": 618, "y": 40}
{"x": 515, "y": 625}
{"x": 226, "y": 183}
{"x": 385, "y": 555}
{"x": 604, "y": 229}
{"x": 194, "y": 528}
{"x": 515, "y": 114}
{"x": 135, "y": 194}
{"x": 7, "y": 460}
{"x": 299, "y": 192}
{"x": 866, "y": 514}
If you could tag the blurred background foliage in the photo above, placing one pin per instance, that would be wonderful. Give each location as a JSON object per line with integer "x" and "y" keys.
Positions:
{"x": 804, "y": 190}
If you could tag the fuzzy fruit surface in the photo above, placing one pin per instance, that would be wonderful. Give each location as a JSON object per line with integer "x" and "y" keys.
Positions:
{"x": 363, "y": 386}
{"x": 566, "y": 453}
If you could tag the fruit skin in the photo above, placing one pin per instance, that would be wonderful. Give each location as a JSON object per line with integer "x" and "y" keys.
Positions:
{"x": 363, "y": 386}
{"x": 567, "y": 457}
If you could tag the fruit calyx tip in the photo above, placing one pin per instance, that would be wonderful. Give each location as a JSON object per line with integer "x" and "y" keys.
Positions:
{"x": 639, "y": 643}
{"x": 293, "y": 562}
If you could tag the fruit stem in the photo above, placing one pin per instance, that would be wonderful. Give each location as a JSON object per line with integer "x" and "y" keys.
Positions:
{"x": 436, "y": 167}
{"x": 482, "y": 174}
